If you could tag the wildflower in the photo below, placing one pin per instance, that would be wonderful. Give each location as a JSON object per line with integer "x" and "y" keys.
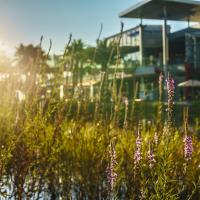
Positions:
{"x": 111, "y": 169}
{"x": 138, "y": 153}
{"x": 188, "y": 147}
{"x": 170, "y": 85}
{"x": 160, "y": 81}
{"x": 151, "y": 158}
{"x": 170, "y": 91}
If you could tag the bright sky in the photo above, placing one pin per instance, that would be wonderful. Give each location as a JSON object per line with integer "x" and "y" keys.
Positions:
{"x": 26, "y": 20}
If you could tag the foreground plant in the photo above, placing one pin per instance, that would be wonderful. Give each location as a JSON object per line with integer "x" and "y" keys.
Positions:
{"x": 111, "y": 170}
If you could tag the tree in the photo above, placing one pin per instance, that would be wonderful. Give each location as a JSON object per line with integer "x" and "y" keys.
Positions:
{"x": 76, "y": 57}
{"x": 104, "y": 54}
{"x": 108, "y": 53}
{"x": 31, "y": 58}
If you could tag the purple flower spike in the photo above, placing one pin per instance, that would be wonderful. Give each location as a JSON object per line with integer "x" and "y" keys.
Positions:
{"x": 170, "y": 91}
{"x": 111, "y": 168}
{"x": 138, "y": 153}
{"x": 188, "y": 147}
{"x": 151, "y": 158}
{"x": 170, "y": 85}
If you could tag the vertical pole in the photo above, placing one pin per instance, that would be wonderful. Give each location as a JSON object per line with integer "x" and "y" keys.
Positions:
{"x": 165, "y": 50}
{"x": 165, "y": 44}
{"x": 141, "y": 43}
{"x": 195, "y": 51}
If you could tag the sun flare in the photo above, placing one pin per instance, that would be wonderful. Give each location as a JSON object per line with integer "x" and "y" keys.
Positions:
{"x": 6, "y": 49}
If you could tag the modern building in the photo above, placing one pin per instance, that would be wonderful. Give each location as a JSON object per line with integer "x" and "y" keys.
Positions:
{"x": 160, "y": 50}
{"x": 145, "y": 42}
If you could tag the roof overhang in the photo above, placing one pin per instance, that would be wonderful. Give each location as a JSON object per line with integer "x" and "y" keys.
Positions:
{"x": 190, "y": 83}
{"x": 176, "y": 10}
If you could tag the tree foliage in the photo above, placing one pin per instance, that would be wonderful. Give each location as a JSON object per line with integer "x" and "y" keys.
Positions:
{"x": 30, "y": 58}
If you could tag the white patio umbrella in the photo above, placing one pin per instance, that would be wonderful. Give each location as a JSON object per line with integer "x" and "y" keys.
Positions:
{"x": 190, "y": 83}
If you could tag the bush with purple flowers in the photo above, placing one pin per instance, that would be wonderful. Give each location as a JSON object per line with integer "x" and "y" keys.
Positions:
{"x": 54, "y": 148}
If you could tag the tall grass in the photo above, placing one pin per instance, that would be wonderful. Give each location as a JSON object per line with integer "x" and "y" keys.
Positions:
{"x": 52, "y": 148}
